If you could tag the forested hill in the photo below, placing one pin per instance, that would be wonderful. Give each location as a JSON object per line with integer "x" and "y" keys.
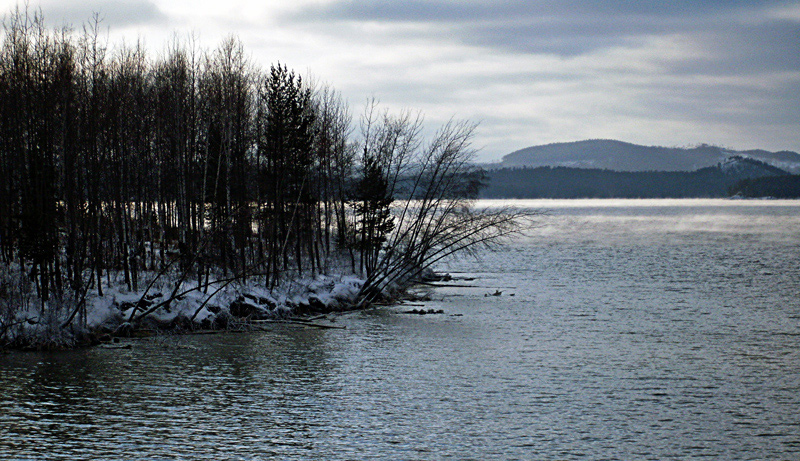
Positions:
{"x": 564, "y": 182}
{"x": 622, "y": 156}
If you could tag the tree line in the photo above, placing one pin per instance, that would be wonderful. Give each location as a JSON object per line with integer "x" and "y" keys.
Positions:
{"x": 782, "y": 187}
{"x": 566, "y": 182}
{"x": 116, "y": 166}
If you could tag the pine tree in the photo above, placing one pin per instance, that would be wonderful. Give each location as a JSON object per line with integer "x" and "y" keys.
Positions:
{"x": 371, "y": 204}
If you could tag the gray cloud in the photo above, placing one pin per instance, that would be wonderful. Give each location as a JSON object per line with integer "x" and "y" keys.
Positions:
{"x": 467, "y": 11}
{"x": 113, "y": 13}
{"x": 774, "y": 46}
{"x": 570, "y": 28}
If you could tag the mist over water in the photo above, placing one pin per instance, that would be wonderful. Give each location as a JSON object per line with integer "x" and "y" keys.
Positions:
{"x": 624, "y": 329}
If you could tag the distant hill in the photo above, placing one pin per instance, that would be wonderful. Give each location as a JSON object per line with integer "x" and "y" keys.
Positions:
{"x": 564, "y": 182}
{"x": 622, "y": 156}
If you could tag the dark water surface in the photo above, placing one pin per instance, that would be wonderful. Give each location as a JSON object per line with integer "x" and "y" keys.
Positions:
{"x": 636, "y": 330}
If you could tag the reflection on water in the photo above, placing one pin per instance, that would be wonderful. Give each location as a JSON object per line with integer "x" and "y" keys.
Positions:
{"x": 636, "y": 330}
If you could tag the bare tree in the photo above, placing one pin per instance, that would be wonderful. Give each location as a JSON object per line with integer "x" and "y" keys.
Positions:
{"x": 335, "y": 157}
{"x": 437, "y": 217}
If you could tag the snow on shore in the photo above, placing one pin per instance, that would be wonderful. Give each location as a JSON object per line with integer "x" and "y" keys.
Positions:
{"x": 112, "y": 312}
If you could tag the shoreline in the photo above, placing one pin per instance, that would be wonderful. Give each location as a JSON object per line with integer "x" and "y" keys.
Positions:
{"x": 239, "y": 308}
{"x": 123, "y": 314}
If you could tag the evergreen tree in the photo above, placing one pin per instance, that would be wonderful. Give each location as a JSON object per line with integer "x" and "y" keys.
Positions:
{"x": 286, "y": 138}
{"x": 371, "y": 204}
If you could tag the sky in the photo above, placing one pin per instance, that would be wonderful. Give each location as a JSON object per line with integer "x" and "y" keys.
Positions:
{"x": 677, "y": 73}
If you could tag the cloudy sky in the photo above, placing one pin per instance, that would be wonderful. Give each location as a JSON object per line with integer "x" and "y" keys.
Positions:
{"x": 530, "y": 72}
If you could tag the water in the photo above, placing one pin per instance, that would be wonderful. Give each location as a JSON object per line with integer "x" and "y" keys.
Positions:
{"x": 636, "y": 330}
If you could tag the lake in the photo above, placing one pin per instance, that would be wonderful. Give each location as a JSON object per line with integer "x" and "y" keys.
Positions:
{"x": 620, "y": 329}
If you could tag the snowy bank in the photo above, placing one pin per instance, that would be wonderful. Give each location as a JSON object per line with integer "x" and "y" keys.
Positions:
{"x": 120, "y": 312}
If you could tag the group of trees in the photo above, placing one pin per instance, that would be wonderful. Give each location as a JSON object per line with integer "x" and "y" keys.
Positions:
{"x": 783, "y": 187}
{"x": 115, "y": 165}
